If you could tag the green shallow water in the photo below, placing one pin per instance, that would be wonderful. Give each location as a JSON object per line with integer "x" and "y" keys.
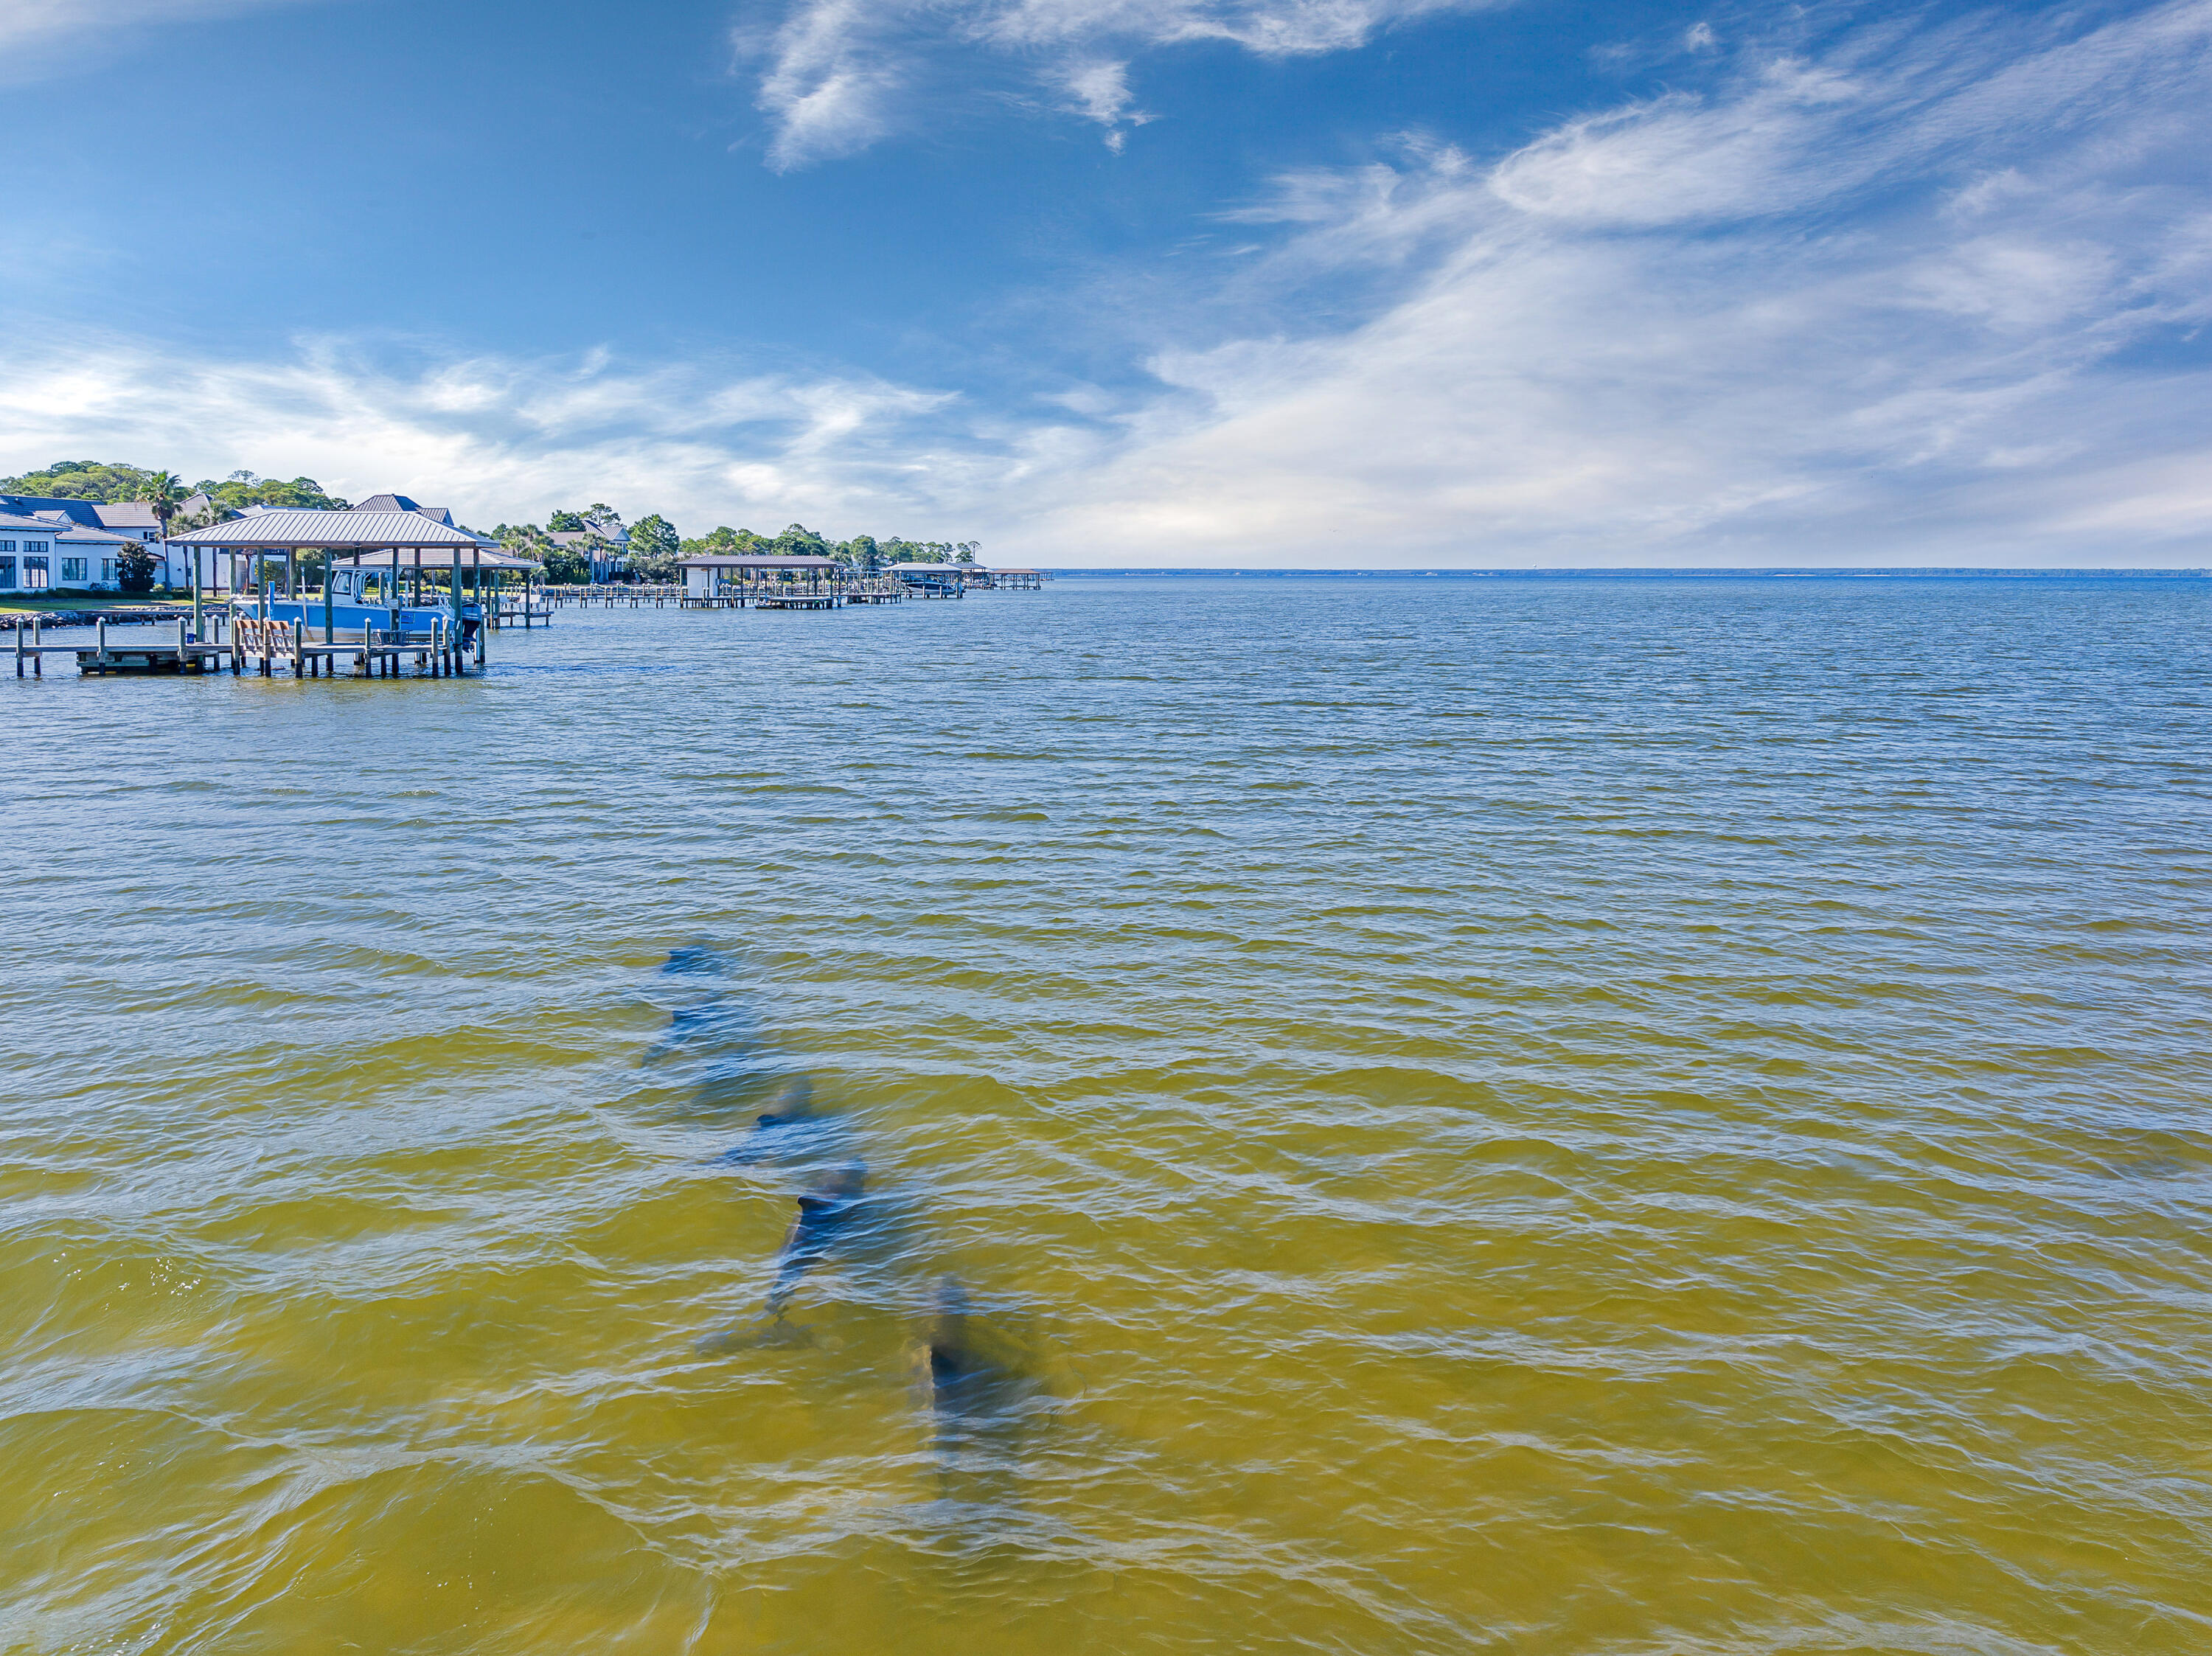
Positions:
{"x": 1544, "y": 1116}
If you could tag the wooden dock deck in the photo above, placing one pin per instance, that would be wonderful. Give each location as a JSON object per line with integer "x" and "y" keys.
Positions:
{"x": 259, "y": 646}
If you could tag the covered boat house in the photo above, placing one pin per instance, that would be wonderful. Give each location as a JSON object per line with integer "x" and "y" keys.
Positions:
{"x": 392, "y": 552}
{"x": 931, "y": 580}
{"x": 712, "y": 575}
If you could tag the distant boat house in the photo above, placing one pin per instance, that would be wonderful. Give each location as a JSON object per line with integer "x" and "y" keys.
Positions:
{"x": 706, "y": 574}
{"x": 933, "y": 580}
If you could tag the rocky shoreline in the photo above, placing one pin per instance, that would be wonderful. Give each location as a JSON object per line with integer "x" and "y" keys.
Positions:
{"x": 12, "y": 620}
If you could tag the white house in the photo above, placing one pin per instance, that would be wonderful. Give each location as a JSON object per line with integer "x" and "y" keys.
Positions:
{"x": 108, "y": 525}
{"x": 611, "y": 530}
{"x": 41, "y": 551}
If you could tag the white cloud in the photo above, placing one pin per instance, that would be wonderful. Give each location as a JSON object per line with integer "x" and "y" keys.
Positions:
{"x": 830, "y": 85}
{"x": 838, "y": 75}
{"x": 1682, "y": 158}
{"x": 1868, "y": 311}
{"x": 493, "y": 437}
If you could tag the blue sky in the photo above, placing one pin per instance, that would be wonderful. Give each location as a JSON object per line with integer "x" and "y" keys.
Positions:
{"x": 1239, "y": 282}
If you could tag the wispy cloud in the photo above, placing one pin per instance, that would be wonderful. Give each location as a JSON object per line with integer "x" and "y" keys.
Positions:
{"x": 494, "y": 437}
{"x": 836, "y": 76}
{"x": 1927, "y": 299}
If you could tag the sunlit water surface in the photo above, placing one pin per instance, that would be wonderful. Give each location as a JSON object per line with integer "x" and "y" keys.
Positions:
{"x": 1546, "y": 1116}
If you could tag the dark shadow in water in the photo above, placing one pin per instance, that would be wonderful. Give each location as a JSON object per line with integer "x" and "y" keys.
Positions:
{"x": 715, "y": 1047}
{"x": 2158, "y": 1155}
{"x": 979, "y": 1381}
{"x": 977, "y": 1374}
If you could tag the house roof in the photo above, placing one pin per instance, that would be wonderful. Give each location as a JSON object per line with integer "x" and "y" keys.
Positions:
{"x": 127, "y": 515}
{"x": 296, "y": 526}
{"x": 83, "y": 511}
{"x": 401, "y": 503}
{"x": 616, "y": 537}
{"x": 56, "y": 527}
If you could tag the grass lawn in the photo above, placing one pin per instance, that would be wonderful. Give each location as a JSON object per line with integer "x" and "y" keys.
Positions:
{"x": 25, "y": 602}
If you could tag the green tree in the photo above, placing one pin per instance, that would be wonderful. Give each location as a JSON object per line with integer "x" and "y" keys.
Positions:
{"x": 165, "y": 494}
{"x": 244, "y": 488}
{"x": 134, "y": 567}
{"x": 654, "y": 547}
{"x": 84, "y": 479}
{"x": 799, "y": 541}
{"x": 725, "y": 539}
{"x": 562, "y": 566}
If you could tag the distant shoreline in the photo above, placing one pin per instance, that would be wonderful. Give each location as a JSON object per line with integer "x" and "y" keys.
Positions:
{"x": 1626, "y": 573}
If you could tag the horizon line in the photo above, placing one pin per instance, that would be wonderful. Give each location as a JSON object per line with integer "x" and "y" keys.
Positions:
{"x": 1854, "y": 571}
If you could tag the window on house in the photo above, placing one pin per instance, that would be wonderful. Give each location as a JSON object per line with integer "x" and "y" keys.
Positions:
{"x": 72, "y": 568}
{"x": 34, "y": 569}
{"x": 7, "y": 567}
{"x": 6, "y": 546}
{"x": 34, "y": 546}
{"x": 107, "y": 570}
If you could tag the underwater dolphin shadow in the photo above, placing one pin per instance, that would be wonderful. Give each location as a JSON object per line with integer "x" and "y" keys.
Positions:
{"x": 976, "y": 1378}
{"x": 715, "y": 1048}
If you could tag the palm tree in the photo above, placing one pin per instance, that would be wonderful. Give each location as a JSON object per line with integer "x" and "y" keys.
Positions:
{"x": 165, "y": 494}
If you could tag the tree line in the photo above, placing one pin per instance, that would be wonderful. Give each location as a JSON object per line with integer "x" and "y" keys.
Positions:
{"x": 656, "y": 548}
{"x": 107, "y": 484}
{"x": 167, "y": 494}
{"x": 657, "y": 551}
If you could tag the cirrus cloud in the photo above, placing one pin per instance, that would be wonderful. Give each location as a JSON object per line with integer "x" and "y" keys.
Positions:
{"x": 837, "y": 75}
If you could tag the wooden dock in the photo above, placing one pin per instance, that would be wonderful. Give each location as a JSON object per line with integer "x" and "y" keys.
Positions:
{"x": 612, "y": 597}
{"x": 797, "y": 594}
{"x": 256, "y": 646}
{"x": 172, "y": 650}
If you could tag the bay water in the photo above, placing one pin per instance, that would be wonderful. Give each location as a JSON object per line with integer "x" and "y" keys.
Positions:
{"x": 1543, "y": 1115}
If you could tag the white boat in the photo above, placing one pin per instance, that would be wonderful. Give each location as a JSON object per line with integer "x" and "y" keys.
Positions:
{"x": 363, "y": 599}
